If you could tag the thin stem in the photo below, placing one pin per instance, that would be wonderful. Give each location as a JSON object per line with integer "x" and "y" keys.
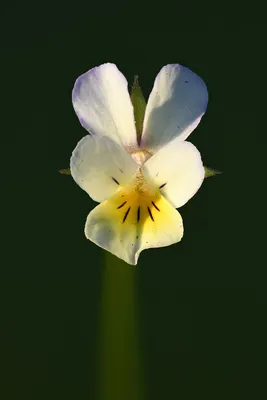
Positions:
{"x": 120, "y": 372}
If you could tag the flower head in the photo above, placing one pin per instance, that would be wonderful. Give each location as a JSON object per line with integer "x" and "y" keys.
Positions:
{"x": 138, "y": 183}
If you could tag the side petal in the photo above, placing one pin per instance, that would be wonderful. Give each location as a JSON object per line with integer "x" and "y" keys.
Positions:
{"x": 125, "y": 227}
{"x": 100, "y": 166}
{"x": 175, "y": 106}
{"x": 177, "y": 170}
{"x": 102, "y": 103}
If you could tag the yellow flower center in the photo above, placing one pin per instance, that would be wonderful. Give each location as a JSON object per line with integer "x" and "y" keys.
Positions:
{"x": 137, "y": 201}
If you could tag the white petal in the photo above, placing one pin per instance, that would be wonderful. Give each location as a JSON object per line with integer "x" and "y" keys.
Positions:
{"x": 101, "y": 100}
{"x": 175, "y": 106}
{"x": 178, "y": 171}
{"x": 115, "y": 226}
{"x": 100, "y": 166}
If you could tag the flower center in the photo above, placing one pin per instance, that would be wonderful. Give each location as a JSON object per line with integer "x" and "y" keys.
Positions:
{"x": 141, "y": 186}
{"x": 138, "y": 201}
{"x": 140, "y": 156}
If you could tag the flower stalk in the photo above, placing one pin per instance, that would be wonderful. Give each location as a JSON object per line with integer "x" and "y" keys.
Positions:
{"x": 119, "y": 364}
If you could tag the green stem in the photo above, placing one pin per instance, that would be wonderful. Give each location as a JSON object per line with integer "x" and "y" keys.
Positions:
{"x": 120, "y": 374}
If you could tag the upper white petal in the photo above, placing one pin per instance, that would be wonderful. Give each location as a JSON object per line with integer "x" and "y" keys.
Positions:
{"x": 97, "y": 163}
{"x": 175, "y": 106}
{"x": 178, "y": 165}
{"x": 102, "y": 103}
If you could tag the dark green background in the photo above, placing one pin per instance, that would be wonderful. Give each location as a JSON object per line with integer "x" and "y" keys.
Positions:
{"x": 202, "y": 302}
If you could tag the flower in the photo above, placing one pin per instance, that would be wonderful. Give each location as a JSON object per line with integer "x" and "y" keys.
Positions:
{"x": 138, "y": 183}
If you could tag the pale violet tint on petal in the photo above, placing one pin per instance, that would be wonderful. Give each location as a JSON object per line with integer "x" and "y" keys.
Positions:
{"x": 175, "y": 106}
{"x": 178, "y": 171}
{"x": 102, "y": 103}
{"x": 100, "y": 166}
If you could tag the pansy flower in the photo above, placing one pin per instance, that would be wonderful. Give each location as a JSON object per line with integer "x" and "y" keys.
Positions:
{"x": 139, "y": 181}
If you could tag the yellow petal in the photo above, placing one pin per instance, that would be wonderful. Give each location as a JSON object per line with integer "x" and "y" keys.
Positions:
{"x": 134, "y": 219}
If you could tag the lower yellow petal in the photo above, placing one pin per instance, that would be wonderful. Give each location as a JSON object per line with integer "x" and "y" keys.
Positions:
{"x": 132, "y": 220}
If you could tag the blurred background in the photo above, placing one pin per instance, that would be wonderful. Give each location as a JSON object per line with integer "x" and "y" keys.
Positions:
{"x": 189, "y": 320}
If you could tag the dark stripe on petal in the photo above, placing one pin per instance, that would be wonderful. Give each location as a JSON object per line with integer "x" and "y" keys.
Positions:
{"x": 122, "y": 204}
{"x": 163, "y": 185}
{"x": 126, "y": 214}
{"x": 138, "y": 214}
{"x": 150, "y": 213}
{"x": 155, "y": 206}
{"x": 115, "y": 180}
